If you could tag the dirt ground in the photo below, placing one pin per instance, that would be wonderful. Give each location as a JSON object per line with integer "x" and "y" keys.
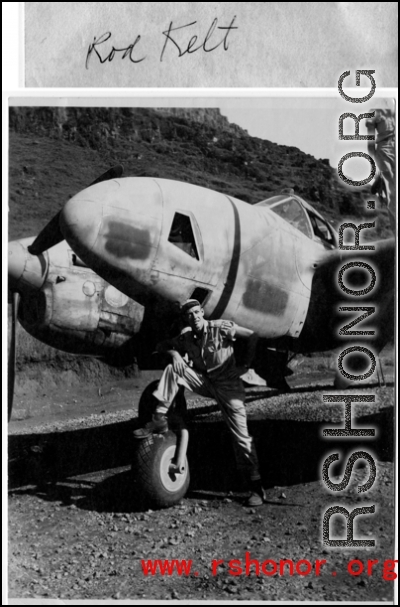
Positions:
{"x": 77, "y": 529}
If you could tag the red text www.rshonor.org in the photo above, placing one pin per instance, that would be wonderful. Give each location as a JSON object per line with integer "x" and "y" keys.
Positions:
{"x": 248, "y": 566}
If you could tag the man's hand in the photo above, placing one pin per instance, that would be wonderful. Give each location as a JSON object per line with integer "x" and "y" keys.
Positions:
{"x": 242, "y": 370}
{"x": 178, "y": 364}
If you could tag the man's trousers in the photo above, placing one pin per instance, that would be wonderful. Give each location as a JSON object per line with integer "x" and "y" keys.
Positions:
{"x": 228, "y": 391}
{"x": 385, "y": 156}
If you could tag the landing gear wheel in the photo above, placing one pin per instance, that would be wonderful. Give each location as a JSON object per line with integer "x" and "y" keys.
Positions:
{"x": 157, "y": 484}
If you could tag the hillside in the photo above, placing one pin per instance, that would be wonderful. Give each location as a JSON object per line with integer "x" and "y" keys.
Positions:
{"x": 55, "y": 152}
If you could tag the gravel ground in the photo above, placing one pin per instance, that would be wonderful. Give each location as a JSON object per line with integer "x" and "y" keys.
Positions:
{"x": 63, "y": 545}
{"x": 77, "y": 530}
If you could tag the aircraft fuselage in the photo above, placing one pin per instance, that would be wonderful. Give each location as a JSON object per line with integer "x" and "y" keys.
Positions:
{"x": 176, "y": 240}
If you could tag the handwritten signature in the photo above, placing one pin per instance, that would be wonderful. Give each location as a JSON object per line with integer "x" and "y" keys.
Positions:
{"x": 191, "y": 48}
{"x": 127, "y": 51}
{"x": 174, "y": 38}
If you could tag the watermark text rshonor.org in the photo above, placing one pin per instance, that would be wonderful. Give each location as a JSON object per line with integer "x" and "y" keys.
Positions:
{"x": 268, "y": 567}
{"x": 358, "y": 294}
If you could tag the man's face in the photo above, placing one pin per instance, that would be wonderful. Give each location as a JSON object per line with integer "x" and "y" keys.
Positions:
{"x": 195, "y": 318}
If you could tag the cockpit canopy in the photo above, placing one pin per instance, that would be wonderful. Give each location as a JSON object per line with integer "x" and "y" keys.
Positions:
{"x": 303, "y": 218}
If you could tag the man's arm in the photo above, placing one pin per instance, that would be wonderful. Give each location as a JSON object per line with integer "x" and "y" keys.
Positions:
{"x": 371, "y": 142}
{"x": 251, "y": 342}
{"x": 169, "y": 347}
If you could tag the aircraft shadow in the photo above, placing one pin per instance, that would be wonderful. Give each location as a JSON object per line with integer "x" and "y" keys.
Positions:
{"x": 256, "y": 394}
{"x": 290, "y": 452}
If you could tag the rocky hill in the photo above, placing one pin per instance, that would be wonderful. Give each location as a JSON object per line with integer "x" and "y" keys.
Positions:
{"x": 55, "y": 152}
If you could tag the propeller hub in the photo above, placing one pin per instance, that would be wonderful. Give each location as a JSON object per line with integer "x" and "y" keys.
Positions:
{"x": 16, "y": 263}
{"x": 25, "y": 271}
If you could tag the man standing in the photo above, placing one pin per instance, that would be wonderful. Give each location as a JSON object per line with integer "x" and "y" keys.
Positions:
{"x": 209, "y": 347}
{"x": 383, "y": 150}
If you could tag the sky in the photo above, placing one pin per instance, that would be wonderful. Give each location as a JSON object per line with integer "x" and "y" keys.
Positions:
{"x": 310, "y": 124}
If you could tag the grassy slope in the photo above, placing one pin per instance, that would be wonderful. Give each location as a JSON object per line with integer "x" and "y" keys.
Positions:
{"x": 54, "y": 154}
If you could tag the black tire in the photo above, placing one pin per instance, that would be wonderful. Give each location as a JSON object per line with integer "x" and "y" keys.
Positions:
{"x": 156, "y": 486}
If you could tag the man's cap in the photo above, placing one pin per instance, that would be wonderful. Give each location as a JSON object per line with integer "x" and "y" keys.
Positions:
{"x": 188, "y": 304}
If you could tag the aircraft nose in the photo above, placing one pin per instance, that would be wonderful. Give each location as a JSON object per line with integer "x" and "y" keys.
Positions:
{"x": 80, "y": 222}
{"x": 16, "y": 263}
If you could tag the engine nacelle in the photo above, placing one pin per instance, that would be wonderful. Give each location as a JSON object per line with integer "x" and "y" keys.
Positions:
{"x": 69, "y": 307}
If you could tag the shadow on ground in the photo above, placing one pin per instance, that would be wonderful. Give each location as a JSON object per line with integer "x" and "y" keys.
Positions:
{"x": 290, "y": 452}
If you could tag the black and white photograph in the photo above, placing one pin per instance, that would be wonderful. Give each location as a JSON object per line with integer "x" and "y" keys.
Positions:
{"x": 201, "y": 347}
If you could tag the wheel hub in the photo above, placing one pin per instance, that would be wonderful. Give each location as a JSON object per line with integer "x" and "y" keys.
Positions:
{"x": 170, "y": 478}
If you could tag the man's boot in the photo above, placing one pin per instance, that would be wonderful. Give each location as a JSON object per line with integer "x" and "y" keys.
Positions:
{"x": 256, "y": 497}
{"x": 157, "y": 425}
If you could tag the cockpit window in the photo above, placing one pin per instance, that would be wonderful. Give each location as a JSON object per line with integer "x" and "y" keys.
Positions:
{"x": 293, "y": 212}
{"x": 321, "y": 229}
{"x": 182, "y": 236}
{"x": 270, "y": 201}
